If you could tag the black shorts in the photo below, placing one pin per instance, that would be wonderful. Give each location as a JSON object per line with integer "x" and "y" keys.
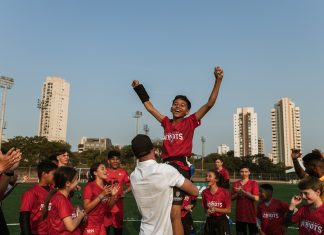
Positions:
{"x": 241, "y": 228}
{"x": 217, "y": 225}
{"x": 187, "y": 223}
{"x": 178, "y": 194}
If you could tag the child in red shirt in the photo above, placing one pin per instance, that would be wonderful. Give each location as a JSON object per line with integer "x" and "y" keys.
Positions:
{"x": 217, "y": 203}
{"x": 116, "y": 176}
{"x": 271, "y": 212}
{"x": 62, "y": 217}
{"x": 246, "y": 194}
{"x": 310, "y": 217}
{"x": 189, "y": 202}
{"x": 97, "y": 198}
{"x": 221, "y": 169}
{"x": 178, "y": 135}
{"x": 32, "y": 201}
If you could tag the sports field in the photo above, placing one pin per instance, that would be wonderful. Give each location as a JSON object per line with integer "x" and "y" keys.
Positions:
{"x": 132, "y": 217}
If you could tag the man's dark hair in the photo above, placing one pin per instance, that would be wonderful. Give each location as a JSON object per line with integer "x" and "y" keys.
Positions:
{"x": 267, "y": 187}
{"x": 53, "y": 158}
{"x": 45, "y": 166}
{"x": 219, "y": 158}
{"x": 61, "y": 151}
{"x": 244, "y": 166}
{"x": 184, "y": 98}
{"x": 113, "y": 153}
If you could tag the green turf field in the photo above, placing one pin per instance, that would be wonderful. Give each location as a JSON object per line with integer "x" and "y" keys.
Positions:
{"x": 132, "y": 217}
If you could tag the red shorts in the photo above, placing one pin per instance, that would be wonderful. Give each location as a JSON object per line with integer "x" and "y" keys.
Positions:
{"x": 95, "y": 230}
{"x": 114, "y": 219}
{"x": 115, "y": 215}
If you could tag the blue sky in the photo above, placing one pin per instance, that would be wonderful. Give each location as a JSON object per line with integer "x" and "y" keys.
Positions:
{"x": 268, "y": 50}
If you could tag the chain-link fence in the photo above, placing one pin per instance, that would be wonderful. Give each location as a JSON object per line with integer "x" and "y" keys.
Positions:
{"x": 31, "y": 172}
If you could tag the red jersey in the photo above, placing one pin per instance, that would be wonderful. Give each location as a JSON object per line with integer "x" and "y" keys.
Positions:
{"x": 310, "y": 222}
{"x": 96, "y": 216}
{"x": 224, "y": 173}
{"x": 186, "y": 202}
{"x": 245, "y": 207}
{"x": 272, "y": 216}
{"x": 60, "y": 207}
{"x": 121, "y": 177}
{"x": 220, "y": 199}
{"x": 177, "y": 140}
{"x": 32, "y": 201}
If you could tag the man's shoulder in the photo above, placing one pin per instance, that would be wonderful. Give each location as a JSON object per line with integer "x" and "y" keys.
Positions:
{"x": 167, "y": 167}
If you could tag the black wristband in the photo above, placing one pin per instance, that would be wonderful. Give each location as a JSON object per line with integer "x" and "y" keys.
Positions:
{"x": 142, "y": 94}
{"x": 9, "y": 173}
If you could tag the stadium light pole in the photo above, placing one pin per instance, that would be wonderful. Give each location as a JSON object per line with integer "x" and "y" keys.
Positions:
{"x": 6, "y": 83}
{"x": 137, "y": 115}
{"x": 203, "y": 141}
{"x": 146, "y": 129}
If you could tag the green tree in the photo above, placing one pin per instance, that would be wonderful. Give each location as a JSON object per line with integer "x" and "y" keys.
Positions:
{"x": 35, "y": 149}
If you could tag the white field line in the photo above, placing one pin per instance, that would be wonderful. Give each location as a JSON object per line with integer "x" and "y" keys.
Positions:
{"x": 137, "y": 220}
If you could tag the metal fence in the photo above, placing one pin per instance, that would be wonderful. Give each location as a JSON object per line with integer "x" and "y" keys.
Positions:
{"x": 31, "y": 172}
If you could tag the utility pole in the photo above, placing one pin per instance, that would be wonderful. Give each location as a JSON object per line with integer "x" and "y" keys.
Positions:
{"x": 203, "y": 140}
{"x": 137, "y": 115}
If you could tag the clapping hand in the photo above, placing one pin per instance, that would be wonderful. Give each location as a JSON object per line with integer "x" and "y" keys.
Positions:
{"x": 10, "y": 160}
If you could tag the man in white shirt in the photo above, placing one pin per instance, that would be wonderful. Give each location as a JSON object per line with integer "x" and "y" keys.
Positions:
{"x": 152, "y": 185}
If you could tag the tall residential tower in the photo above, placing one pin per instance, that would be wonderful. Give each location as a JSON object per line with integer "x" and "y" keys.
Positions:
{"x": 54, "y": 109}
{"x": 286, "y": 133}
{"x": 245, "y": 132}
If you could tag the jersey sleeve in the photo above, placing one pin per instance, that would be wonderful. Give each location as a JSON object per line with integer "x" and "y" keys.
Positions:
{"x": 255, "y": 189}
{"x": 26, "y": 201}
{"x": 194, "y": 121}
{"x": 203, "y": 200}
{"x": 284, "y": 207}
{"x": 228, "y": 202}
{"x": 259, "y": 212}
{"x": 175, "y": 178}
{"x": 164, "y": 121}
{"x": 126, "y": 179}
{"x": 64, "y": 208}
{"x": 233, "y": 188}
{"x": 226, "y": 175}
{"x": 87, "y": 192}
{"x": 295, "y": 218}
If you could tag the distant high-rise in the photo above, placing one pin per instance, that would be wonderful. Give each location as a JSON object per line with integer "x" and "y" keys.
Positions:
{"x": 222, "y": 149}
{"x": 286, "y": 133}
{"x": 54, "y": 109}
{"x": 260, "y": 146}
{"x": 245, "y": 132}
{"x": 100, "y": 144}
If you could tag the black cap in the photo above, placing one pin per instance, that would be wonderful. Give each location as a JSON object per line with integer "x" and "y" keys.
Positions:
{"x": 141, "y": 145}
{"x": 313, "y": 156}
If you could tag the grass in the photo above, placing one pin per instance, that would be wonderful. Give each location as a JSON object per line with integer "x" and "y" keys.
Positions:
{"x": 11, "y": 206}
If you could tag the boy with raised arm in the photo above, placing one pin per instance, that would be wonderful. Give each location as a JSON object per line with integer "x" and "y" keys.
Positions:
{"x": 178, "y": 135}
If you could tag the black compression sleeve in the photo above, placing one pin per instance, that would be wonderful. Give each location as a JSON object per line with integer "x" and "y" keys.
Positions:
{"x": 288, "y": 218}
{"x": 24, "y": 221}
{"x": 141, "y": 92}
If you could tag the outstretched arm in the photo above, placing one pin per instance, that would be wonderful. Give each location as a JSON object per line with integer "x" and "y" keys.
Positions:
{"x": 141, "y": 92}
{"x": 219, "y": 74}
{"x": 295, "y": 154}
